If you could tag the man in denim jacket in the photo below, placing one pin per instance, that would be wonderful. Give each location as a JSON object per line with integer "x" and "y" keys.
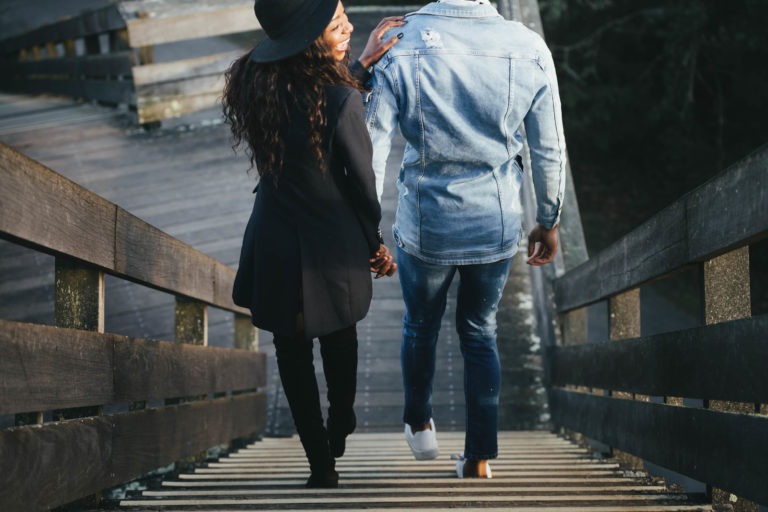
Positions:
{"x": 464, "y": 85}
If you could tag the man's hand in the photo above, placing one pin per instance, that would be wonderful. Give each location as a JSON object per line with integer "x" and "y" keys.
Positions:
{"x": 376, "y": 46}
{"x": 542, "y": 245}
{"x": 382, "y": 264}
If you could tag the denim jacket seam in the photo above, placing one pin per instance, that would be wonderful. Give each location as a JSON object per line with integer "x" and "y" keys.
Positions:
{"x": 560, "y": 145}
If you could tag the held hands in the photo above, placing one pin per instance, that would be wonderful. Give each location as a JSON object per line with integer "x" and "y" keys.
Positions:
{"x": 542, "y": 245}
{"x": 376, "y": 45}
{"x": 382, "y": 264}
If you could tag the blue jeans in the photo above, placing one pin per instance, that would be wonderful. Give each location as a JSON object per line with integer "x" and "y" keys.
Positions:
{"x": 425, "y": 288}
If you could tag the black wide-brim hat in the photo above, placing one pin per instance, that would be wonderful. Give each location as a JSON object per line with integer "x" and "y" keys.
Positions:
{"x": 290, "y": 26}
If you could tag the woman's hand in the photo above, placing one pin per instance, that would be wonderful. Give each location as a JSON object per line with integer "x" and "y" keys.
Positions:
{"x": 382, "y": 264}
{"x": 376, "y": 47}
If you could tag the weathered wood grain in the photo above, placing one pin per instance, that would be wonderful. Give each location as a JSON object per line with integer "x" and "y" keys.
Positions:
{"x": 93, "y": 22}
{"x": 45, "y": 367}
{"x": 156, "y": 109}
{"x": 44, "y": 467}
{"x": 114, "y": 64}
{"x": 52, "y": 213}
{"x": 718, "y": 362}
{"x": 729, "y": 210}
{"x": 179, "y": 26}
{"x": 726, "y": 450}
{"x": 183, "y": 69}
{"x": 725, "y": 212}
{"x": 44, "y": 210}
{"x": 108, "y": 91}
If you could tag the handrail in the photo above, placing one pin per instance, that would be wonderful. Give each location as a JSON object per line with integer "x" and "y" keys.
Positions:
{"x": 166, "y": 401}
{"x": 44, "y": 210}
{"x": 692, "y": 401}
{"x": 727, "y": 211}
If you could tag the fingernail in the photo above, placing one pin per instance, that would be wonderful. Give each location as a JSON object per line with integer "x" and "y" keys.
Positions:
{"x": 400, "y": 35}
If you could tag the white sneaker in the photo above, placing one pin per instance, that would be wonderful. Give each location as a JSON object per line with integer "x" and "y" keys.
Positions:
{"x": 423, "y": 444}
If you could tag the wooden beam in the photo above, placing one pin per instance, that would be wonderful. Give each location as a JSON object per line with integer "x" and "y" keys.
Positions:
{"x": 725, "y": 361}
{"x": 723, "y": 449}
{"x": 695, "y": 228}
{"x": 183, "y": 69}
{"x": 174, "y": 27}
{"x": 46, "y": 368}
{"x": 117, "y": 92}
{"x": 44, "y": 467}
{"x": 48, "y": 211}
{"x": 84, "y": 24}
{"x": 43, "y": 210}
{"x": 114, "y": 64}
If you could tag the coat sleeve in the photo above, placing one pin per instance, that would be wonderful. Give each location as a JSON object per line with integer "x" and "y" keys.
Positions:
{"x": 353, "y": 145}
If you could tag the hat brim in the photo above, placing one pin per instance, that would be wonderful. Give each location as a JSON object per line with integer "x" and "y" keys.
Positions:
{"x": 296, "y": 40}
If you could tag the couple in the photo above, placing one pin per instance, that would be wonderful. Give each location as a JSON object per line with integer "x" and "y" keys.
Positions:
{"x": 461, "y": 84}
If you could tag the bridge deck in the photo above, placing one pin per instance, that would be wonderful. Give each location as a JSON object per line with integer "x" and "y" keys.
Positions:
{"x": 186, "y": 181}
{"x": 535, "y": 471}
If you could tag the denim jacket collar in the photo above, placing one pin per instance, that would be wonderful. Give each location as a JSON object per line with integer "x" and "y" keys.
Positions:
{"x": 460, "y": 11}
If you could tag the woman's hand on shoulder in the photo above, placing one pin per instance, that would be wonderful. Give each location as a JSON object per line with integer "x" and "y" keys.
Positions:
{"x": 382, "y": 264}
{"x": 377, "y": 46}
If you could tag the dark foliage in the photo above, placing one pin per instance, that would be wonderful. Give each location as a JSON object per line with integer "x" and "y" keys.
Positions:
{"x": 658, "y": 96}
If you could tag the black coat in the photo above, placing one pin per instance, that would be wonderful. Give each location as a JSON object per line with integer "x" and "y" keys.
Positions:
{"x": 309, "y": 238}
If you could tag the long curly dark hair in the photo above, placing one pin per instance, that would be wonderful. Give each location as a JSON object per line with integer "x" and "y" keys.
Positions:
{"x": 258, "y": 98}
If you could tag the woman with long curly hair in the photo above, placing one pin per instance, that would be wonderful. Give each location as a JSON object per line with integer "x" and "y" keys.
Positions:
{"x": 313, "y": 237}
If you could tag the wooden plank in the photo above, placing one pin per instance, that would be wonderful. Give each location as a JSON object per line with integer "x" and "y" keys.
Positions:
{"x": 653, "y": 249}
{"x": 175, "y": 107}
{"x": 149, "y": 439}
{"x": 723, "y": 449}
{"x": 44, "y": 467}
{"x": 44, "y": 368}
{"x": 730, "y": 210}
{"x": 183, "y": 69}
{"x": 724, "y": 361}
{"x": 179, "y": 89}
{"x": 94, "y": 22}
{"x": 42, "y": 209}
{"x": 694, "y": 228}
{"x": 148, "y": 255}
{"x": 115, "y": 64}
{"x": 147, "y": 370}
{"x": 108, "y": 91}
{"x": 52, "y": 213}
{"x": 192, "y": 25}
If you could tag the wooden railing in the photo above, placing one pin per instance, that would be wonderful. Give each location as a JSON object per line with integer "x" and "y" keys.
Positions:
{"x": 109, "y": 55}
{"x": 633, "y": 393}
{"x": 167, "y": 401}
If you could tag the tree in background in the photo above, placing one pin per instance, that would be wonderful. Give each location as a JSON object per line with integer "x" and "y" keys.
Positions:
{"x": 658, "y": 96}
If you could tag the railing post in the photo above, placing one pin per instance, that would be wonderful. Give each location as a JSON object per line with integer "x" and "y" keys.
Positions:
{"x": 79, "y": 296}
{"x": 191, "y": 322}
{"x": 624, "y": 322}
{"x": 246, "y": 335}
{"x": 727, "y": 297}
{"x": 79, "y": 304}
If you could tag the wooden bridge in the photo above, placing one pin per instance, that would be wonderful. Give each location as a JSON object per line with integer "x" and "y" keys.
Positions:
{"x": 115, "y": 238}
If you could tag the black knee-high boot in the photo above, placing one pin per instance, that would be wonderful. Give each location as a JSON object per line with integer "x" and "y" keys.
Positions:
{"x": 297, "y": 373}
{"x": 339, "y": 353}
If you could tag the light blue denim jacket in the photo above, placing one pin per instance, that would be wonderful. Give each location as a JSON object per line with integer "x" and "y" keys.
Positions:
{"x": 461, "y": 85}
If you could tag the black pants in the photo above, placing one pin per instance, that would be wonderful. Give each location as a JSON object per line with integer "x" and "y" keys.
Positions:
{"x": 297, "y": 373}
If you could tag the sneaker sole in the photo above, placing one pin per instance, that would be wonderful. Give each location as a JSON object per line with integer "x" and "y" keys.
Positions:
{"x": 425, "y": 455}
